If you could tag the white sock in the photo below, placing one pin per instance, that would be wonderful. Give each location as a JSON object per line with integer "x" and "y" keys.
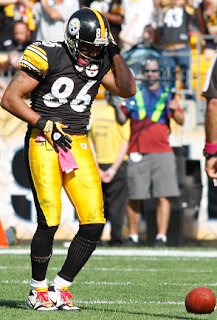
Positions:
{"x": 59, "y": 283}
{"x": 35, "y": 284}
{"x": 134, "y": 237}
{"x": 162, "y": 237}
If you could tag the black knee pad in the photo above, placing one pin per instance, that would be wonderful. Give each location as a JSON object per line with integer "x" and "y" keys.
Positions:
{"x": 91, "y": 232}
{"x": 42, "y": 241}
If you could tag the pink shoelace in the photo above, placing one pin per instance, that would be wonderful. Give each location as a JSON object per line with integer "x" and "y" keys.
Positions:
{"x": 43, "y": 297}
{"x": 66, "y": 296}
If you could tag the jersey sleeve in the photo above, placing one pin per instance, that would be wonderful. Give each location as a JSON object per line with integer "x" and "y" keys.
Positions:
{"x": 35, "y": 62}
{"x": 210, "y": 84}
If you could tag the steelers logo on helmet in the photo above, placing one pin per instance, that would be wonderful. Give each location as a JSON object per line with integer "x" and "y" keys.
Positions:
{"x": 92, "y": 70}
{"x": 74, "y": 26}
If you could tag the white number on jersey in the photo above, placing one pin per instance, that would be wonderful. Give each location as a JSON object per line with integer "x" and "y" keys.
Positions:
{"x": 174, "y": 17}
{"x": 51, "y": 44}
{"x": 62, "y": 88}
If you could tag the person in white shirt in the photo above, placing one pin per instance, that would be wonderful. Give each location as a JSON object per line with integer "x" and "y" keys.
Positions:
{"x": 144, "y": 9}
{"x": 50, "y": 17}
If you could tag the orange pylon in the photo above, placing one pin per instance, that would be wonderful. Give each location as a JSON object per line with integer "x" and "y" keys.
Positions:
{"x": 3, "y": 237}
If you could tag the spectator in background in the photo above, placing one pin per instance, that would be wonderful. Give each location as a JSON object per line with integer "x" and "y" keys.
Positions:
{"x": 50, "y": 17}
{"x": 174, "y": 35}
{"x": 15, "y": 46}
{"x": 109, "y": 143}
{"x": 12, "y": 11}
{"x": 112, "y": 10}
{"x": 11, "y": 236}
{"x": 151, "y": 168}
{"x": 143, "y": 11}
{"x": 150, "y": 37}
{"x": 208, "y": 25}
{"x": 4, "y": 61}
{"x": 21, "y": 38}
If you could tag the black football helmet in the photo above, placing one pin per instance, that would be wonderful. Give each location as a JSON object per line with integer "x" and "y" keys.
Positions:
{"x": 87, "y": 26}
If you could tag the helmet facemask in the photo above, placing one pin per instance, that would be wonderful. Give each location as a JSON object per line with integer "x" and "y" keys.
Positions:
{"x": 75, "y": 48}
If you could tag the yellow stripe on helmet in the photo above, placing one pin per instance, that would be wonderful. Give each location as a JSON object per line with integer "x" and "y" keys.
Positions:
{"x": 101, "y": 22}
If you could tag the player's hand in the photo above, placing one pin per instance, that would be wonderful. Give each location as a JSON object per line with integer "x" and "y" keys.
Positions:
{"x": 54, "y": 133}
{"x": 112, "y": 47}
{"x": 211, "y": 167}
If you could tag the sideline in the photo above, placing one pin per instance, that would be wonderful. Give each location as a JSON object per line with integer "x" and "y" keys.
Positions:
{"x": 129, "y": 252}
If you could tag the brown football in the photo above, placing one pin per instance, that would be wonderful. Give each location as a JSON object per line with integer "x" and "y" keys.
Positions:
{"x": 200, "y": 300}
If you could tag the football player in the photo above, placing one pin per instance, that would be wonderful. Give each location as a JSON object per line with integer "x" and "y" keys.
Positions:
{"x": 63, "y": 79}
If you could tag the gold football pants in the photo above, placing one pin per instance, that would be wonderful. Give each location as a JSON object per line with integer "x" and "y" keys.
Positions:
{"x": 83, "y": 186}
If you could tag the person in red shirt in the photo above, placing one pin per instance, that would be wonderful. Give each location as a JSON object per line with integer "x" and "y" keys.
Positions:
{"x": 151, "y": 169}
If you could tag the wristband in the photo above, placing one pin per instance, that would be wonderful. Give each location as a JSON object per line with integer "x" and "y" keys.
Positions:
{"x": 210, "y": 147}
{"x": 41, "y": 123}
{"x": 210, "y": 150}
{"x": 112, "y": 171}
{"x": 209, "y": 155}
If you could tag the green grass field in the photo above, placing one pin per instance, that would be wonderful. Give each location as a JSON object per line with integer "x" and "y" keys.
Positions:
{"x": 117, "y": 284}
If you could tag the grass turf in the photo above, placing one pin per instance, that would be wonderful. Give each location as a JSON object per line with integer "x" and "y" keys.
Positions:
{"x": 120, "y": 285}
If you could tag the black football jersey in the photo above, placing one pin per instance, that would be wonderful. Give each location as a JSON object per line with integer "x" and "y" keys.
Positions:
{"x": 176, "y": 26}
{"x": 65, "y": 91}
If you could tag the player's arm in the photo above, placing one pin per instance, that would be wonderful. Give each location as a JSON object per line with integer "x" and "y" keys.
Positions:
{"x": 211, "y": 120}
{"x": 121, "y": 81}
{"x": 12, "y": 100}
{"x": 211, "y": 138}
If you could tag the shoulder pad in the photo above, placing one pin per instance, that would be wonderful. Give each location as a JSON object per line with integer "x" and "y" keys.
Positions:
{"x": 35, "y": 59}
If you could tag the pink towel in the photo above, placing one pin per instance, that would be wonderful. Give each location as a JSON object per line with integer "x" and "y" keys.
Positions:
{"x": 67, "y": 161}
{"x": 40, "y": 137}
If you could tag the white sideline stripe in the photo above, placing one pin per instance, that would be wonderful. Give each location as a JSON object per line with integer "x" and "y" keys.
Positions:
{"x": 121, "y": 302}
{"x": 128, "y": 302}
{"x": 128, "y": 252}
{"x": 105, "y": 283}
{"x": 113, "y": 269}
